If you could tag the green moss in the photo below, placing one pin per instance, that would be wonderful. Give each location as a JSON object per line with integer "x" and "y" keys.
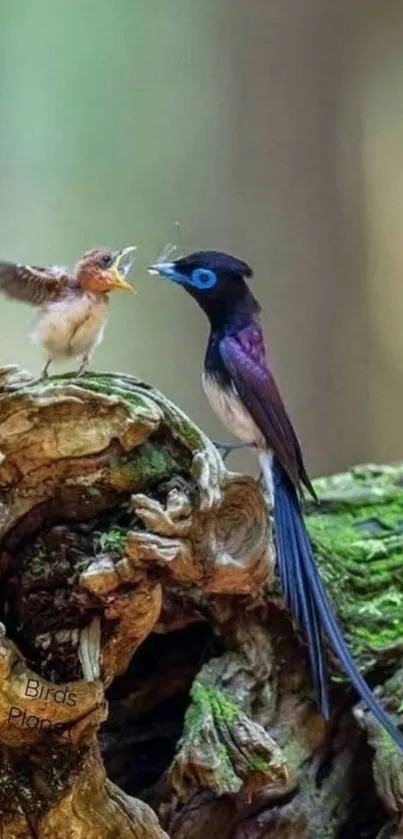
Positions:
{"x": 209, "y": 710}
{"x": 386, "y": 748}
{"x": 138, "y": 403}
{"x": 147, "y": 465}
{"x": 357, "y": 535}
{"x": 208, "y": 700}
{"x": 257, "y": 763}
{"x": 185, "y": 430}
{"x": 113, "y": 539}
{"x": 394, "y": 689}
{"x": 211, "y": 727}
{"x": 226, "y": 779}
{"x": 41, "y": 563}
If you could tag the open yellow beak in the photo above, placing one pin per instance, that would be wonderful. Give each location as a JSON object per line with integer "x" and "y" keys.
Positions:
{"x": 121, "y": 267}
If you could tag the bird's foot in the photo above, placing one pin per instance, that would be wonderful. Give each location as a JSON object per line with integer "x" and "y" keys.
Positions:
{"x": 45, "y": 374}
{"x": 83, "y": 367}
{"x": 226, "y": 447}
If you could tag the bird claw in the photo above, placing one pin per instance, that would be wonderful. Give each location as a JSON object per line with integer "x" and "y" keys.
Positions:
{"x": 82, "y": 368}
{"x": 226, "y": 447}
{"x": 44, "y": 375}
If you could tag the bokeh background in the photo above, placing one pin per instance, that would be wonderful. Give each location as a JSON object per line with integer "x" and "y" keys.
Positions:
{"x": 270, "y": 128}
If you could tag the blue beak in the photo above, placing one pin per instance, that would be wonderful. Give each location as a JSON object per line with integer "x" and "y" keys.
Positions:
{"x": 165, "y": 269}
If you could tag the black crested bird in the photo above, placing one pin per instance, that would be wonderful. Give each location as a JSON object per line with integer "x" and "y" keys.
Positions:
{"x": 242, "y": 391}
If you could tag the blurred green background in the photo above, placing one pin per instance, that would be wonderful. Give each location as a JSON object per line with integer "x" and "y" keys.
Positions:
{"x": 270, "y": 128}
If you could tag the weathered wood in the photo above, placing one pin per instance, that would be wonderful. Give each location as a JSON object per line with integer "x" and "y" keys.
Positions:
{"x": 143, "y": 630}
{"x": 107, "y": 494}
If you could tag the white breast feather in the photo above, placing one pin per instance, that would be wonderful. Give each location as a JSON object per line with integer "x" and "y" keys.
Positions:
{"x": 232, "y": 412}
{"x": 71, "y": 327}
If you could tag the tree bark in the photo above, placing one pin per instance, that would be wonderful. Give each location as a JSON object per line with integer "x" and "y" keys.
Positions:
{"x": 152, "y": 684}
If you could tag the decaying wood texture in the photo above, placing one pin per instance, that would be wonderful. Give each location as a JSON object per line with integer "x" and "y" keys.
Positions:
{"x": 151, "y": 682}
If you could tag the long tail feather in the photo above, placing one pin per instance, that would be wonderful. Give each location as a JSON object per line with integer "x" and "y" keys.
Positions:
{"x": 308, "y": 601}
{"x": 297, "y": 594}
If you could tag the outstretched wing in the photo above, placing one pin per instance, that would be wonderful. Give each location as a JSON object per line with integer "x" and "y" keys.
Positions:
{"x": 244, "y": 357}
{"x": 31, "y": 284}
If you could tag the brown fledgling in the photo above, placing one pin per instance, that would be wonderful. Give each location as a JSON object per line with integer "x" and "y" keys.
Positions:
{"x": 74, "y": 304}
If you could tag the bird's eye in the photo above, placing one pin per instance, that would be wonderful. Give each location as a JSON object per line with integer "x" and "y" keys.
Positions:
{"x": 106, "y": 260}
{"x": 203, "y": 278}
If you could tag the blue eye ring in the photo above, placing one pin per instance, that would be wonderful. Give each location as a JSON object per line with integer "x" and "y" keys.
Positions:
{"x": 203, "y": 278}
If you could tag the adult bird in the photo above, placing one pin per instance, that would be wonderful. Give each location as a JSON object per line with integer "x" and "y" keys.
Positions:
{"x": 242, "y": 391}
{"x": 73, "y": 304}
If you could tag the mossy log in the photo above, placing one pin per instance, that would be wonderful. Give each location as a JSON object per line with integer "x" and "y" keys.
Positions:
{"x": 152, "y": 684}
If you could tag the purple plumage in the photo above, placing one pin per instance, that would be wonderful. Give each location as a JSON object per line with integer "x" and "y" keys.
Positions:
{"x": 244, "y": 356}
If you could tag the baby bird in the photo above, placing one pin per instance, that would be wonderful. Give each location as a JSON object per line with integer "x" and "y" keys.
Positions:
{"x": 74, "y": 304}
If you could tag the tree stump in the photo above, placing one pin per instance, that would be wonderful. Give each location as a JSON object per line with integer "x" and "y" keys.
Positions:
{"x": 152, "y": 683}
